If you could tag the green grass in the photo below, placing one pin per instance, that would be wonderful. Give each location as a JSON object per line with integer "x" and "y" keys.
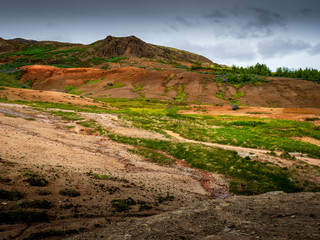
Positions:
{"x": 154, "y": 156}
{"x": 93, "y": 125}
{"x": 246, "y": 176}
{"x": 137, "y": 87}
{"x": 73, "y": 90}
{"x": 9, "y": 80}
{"x": 116, "y": 59}
{"x": 71, "y": 116}
{"x": 94, "y": 81}
{"x": 269, "y": 134}
{"x": 181, "y": 94}
{"x": 115, "y": 85}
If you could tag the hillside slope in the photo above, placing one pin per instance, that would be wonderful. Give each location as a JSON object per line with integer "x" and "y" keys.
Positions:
{"x": 170, "y": 84}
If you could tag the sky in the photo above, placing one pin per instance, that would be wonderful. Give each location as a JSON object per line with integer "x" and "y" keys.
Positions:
{"x": 279, "y": 33}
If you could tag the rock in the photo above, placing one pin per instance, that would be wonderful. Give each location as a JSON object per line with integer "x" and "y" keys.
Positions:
{"x": 110, "y": 84}
{"x": 235, "y": 107}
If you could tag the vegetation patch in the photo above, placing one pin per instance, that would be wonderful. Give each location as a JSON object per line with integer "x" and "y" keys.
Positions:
{"x": 13, "y": 217}
{"x": 154, "y": 156}
{"x": 42, "y": 204}
{"x": 137, "y": 87}
{"x": 69, "y": 192}
{"x": 73, "y": 90}
{"x": 10, "y": 80}
{"x": 37, "y": 181}
{"x": 11, "y": 195}
{"x": 116, "y": 59}
{"x": 51, "y": 233}
{"x": 70, "y": 116}
{"x": 123, "y": 205}
{"x": 115, "y": 85}
{"x": 181, "y": 94}
{"x": 43, "y": 192}
{"x": 93, "y": 125}
{"x": 246, "y": 176}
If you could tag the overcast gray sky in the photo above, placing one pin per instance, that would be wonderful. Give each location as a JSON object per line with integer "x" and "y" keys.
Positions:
{"x": 240, "y": 32}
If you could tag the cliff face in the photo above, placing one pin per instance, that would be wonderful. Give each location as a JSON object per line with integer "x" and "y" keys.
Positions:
{"x": 135, "y": 47}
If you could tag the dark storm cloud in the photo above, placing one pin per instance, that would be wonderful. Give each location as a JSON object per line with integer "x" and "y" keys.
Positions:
{"x": 263, "y": 23}
{"x": 281, "y": 48}
{"x": 305, "y": 11}
{"x": 184, "y": 22}
{"x": 215, "y": 16}
{"x": 315, "y": 50}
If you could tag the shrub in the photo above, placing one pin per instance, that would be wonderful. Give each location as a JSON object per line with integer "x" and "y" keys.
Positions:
{"x": 37, "y": 181}
{"x": 69, "y": 192}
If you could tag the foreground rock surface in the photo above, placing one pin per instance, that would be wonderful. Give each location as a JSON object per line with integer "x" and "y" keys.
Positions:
{"x": 274, "y": 215}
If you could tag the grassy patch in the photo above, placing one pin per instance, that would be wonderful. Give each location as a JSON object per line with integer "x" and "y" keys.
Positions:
{"x": 10, "y": 80}
{"x": 123, "y": 205}
{"x": 246, "y": 176}
{"x": 154, "y": 156}
{"x": 181, "y": 94}
{"x": 116, "y": 59}
{"x": 115, "y": 85}
{"x": 94, "y": 126}
{"x": 108, "y": 177}
{"x": 137, "y": 87}
{"x": 70, "y": 116}
{"x": 94, "y": 81}
{"x": 73, "y": 90}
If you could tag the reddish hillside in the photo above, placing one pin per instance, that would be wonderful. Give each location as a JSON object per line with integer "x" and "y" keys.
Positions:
{"x": 131, "y": 82}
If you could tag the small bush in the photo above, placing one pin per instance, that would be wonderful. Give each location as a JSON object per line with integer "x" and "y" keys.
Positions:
{"x": 123, "y": 205}
{"x": 37, "y": 181}
{"x": 43, "y": 192}
{"x": 69, "y": 192}
{"x": 10, "y": 195}
{"x": 42, "y": 204}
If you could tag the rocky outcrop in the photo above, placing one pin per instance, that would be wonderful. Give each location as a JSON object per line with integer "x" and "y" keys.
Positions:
{"x": 274, "y": 215}
{"x": 134, "y": 47}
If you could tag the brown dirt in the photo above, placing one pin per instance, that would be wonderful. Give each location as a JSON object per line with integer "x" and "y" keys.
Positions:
{"x": 279, "y": 92}
{"x": 46, "y": 96}
{"x": 308, "y": 140}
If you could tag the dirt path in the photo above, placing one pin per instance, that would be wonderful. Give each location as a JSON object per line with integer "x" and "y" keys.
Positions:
{"x": 257, "y": 154}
